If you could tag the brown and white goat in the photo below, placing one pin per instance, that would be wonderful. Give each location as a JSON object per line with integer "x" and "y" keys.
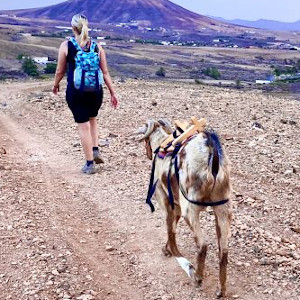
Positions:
{"x": 204, "y": 177}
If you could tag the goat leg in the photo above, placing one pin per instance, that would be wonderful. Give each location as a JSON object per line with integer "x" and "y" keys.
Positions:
{"x": 223, "y": 218}
{"x": 172, "y": 219}
{"x": 191, "y": 217}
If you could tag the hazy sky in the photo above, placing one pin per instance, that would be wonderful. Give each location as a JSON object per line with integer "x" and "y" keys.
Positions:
{"x": 282, "y": 10}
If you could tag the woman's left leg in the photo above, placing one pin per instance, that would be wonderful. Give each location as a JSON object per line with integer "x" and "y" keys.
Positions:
{"x": 95, "y": 136}
{"x": 94, "y": 131}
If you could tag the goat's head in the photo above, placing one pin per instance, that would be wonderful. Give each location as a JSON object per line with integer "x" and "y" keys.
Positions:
{"x": 154, "y": 132}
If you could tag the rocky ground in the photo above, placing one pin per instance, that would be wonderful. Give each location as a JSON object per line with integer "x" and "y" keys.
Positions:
{"x": 65, "y": 235}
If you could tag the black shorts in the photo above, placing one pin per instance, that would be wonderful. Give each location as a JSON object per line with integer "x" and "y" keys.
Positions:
{"x": 84, "y": 105}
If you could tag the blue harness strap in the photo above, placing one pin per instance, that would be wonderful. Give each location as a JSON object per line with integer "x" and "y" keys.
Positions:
{"x": 174, "y": 155}
{"x": 152, "y": 185}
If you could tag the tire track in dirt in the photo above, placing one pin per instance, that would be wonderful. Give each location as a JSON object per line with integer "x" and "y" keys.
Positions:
{"x": 72, "y": 223}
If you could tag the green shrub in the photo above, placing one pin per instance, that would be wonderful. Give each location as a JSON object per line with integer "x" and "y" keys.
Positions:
{"x": 238, "y": 84}
{"x": 212, "y": 72}
{"x": 287, "y": 70}
{"x": 50, "y": 68}
{"x": 29, "y": 67}
{"x": 20, "y": 56}
{"x": 161, "y": 72}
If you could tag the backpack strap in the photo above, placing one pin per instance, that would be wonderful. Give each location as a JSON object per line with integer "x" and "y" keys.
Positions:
{"x": 93, "y": 46}
{"x": 78, "y": 48}
{"x": 74, "y": 42}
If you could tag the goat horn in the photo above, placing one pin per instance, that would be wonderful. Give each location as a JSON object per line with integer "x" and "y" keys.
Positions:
{"x": 150, "y": 127}
{"x": 165, "y": 122}
{"x": 141, "y": 130}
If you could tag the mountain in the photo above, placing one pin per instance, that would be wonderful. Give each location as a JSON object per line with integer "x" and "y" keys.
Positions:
{"x": 154, "y": 13}
{"x": 264, "y": 24}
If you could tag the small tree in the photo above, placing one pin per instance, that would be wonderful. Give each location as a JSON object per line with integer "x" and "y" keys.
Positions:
{"x": 50, "y": 68}
{"x": 214, "y": 73}
{"x": 29, "y": 67}
{"x": 277, "y": 71}
{"x": 161, "y": 72}
{"x": 20, "y": 56}
{"x": 238, "y": 84}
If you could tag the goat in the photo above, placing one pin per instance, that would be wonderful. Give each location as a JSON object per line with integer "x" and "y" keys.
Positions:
{"x": 203, "y": 180}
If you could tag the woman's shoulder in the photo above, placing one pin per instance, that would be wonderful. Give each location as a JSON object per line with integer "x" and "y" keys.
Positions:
{"x": 100, "y": 47}
{"x": 64, "y": 44}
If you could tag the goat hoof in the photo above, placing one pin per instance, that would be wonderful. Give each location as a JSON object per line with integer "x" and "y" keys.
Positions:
{"x": 166, "y": 251}
{"x": 220, "y": 294}
{"x": 197, "y": 279}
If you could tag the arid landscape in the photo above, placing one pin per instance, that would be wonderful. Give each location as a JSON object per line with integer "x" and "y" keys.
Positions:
{"x": 65, "y": 235}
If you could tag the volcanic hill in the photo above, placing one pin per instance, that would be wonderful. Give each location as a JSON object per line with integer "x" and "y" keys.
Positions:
{"x": 153, "y": 13}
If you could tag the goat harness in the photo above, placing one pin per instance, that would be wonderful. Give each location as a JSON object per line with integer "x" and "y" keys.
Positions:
{"x": 174, "y": 162}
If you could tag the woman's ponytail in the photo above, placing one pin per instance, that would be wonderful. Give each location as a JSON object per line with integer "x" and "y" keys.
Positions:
{"x": 84, "y": 35}
{"x": 80, "y": 24}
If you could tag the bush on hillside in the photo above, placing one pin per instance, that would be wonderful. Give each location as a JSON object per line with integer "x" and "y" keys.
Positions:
{"x": 29, "y": 67}
{"x": 238, "y": 84}
{"x": 212, "y": 72}
{"x": 161, "y": 72}
{"x": 50, "y": 68}
{"x": 20, "y": 56}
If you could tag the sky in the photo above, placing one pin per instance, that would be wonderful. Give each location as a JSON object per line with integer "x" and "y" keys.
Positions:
{"x": 280, "y": 10}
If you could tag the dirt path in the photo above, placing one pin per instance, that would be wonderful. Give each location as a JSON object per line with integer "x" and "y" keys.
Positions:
{"x": 66, "y": 235}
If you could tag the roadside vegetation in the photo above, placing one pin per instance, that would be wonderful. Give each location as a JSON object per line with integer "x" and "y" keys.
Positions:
{"x": 29, "y": 67}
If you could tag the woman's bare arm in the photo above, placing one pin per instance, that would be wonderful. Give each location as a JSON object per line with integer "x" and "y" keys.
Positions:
{"x": 106, "y": 76}
{"x": 61, "y": 66}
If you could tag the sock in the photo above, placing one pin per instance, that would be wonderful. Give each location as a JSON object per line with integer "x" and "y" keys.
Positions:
{"x": 95, "y": 148}
{"x": 89, "y": 162}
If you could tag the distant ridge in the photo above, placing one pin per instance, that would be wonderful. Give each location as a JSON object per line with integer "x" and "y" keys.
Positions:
{"x": 264, "y": 24}
{"x": 155, "y": 13}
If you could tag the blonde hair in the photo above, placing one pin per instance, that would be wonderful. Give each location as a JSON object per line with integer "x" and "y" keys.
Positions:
{"x": 80, "y": 23}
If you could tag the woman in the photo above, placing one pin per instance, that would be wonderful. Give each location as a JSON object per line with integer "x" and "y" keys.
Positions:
{"x": 84, "y": 104}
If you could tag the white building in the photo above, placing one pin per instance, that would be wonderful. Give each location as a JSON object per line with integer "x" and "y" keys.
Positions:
{"x": 262, "y": 81}
{"x": 40, "y": 60}
{"x": 64, "y": 27}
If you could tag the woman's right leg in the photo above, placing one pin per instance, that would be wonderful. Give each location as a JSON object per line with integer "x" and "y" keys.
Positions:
{"x": 84, "y": 130}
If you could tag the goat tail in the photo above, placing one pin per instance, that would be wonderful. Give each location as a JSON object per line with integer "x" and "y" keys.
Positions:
{"x": 218, "y": 182}
{"x": 216, "y": 154}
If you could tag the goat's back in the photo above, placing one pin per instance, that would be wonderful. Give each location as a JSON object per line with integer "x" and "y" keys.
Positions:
{"x": 204, "y": 169}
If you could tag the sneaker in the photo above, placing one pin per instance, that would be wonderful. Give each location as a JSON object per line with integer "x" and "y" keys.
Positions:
{"x": 88, "y": 169}
{"x": 98, "y": 159}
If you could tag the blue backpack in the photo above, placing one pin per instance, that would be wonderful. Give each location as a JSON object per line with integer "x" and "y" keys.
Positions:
{"x": 87, "y": 74}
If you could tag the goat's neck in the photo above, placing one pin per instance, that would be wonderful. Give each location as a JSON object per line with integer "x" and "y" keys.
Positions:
{"x": 157, "y": 138}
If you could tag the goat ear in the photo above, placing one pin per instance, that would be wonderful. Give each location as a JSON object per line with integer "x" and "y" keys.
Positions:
{"x": 166, "y": 124}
